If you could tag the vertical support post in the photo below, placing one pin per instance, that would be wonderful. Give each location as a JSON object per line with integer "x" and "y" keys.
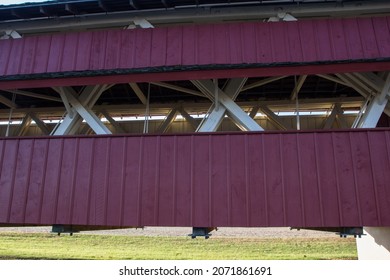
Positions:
{"x": 298, "y": 117}
{"x": 216, "y": 101}
{"x": 10, "y": 116}
{"x": 376, "y": 244}
{"x": 376, "y": 107}
{"x": 146, "y": 123}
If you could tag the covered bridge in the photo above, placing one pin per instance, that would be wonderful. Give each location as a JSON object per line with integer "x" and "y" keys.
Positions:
{"x": 197, "y": 113}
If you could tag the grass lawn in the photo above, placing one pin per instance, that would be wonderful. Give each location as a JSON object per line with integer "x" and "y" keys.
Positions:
{"x": 106, "y": 247}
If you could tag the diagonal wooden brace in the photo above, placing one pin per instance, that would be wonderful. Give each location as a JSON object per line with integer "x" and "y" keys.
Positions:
{"x": 226, "y": 99}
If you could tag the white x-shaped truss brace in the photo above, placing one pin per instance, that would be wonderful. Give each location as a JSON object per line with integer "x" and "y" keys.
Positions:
{"x": 223, "y": 104}
{"x": 79, "y": 107}
{"x": 10, "y": 34}
{"x": 337, "y": 114}
{"x": 26, "y": 121}
{"x": 377, "y": 95}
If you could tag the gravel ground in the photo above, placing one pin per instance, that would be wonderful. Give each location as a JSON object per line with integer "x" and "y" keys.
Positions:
{"x": 184, "y": 231}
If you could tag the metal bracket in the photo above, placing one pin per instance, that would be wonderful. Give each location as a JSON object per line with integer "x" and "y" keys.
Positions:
{"x": 282, "y": 16}
{"x": 63, "y": 229}
{"x": 349, "y": 231}
{"x": 143, "y": 23}
{"x": 201, "y": 231}
{"x": 342, "y": 231}
{"x": 140, "y": 23}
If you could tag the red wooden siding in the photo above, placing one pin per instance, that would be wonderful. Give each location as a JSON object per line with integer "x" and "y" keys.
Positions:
{"x": 307, "y": 179}
{"x": 146, "y": 54}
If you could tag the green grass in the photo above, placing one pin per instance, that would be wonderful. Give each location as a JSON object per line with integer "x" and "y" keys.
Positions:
{"x": 106, "y": 247}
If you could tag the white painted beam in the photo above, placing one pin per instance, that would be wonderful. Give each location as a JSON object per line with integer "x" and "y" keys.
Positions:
{"x": 66, "y": 125}
{"x": 364, "y": 93}
{"x": 143, "y": 23}
{"x": 262, "y": 82}
{"x": 215, "y": 118}
{"x": 115, "y": 124}
{"x": 139, "y": 93}
{"x": 234, "y": 87}
{"x": 282, "y": 16}
{"x": 88, "y": 97}
{"x": 341, "y": 119}
{"x": 34, "y": 95}
{"x": 96, "y": 92}
{"x": 376, "y": 107}
{"x": 298, "y": 86}
{"x": 22, "y": 128}
{"x": 337, "y": 114}
{"x": 276, "y": 120}
{"x": 235, "y": 112}
{"x": 167, "y": 122}
{"x": 356, "y": 86}
{"x": 332, "y": 117}
{"x": 351, "y": 83}
{"x": 240, "y": 117}
{"x": 193, "y": 107}
{"x": 10, "y": 34}
{"x": 333, "y": 79}
{"x": 65, "y": 100}
{"x": 372, "y": 80}
{"x": 8, "y": 102}
{"x": 254, "y": 111}
{"x": 362, "y": 83}
{"x": 92, "y": 120}
{"x": 178, "y": 88}
{"x": 204, "y": 90}
{"x": 90, "y": 94}
{"x": 42, "y": 126}
{"x": 188, "y": 118}
{"x": 86, "y": 129}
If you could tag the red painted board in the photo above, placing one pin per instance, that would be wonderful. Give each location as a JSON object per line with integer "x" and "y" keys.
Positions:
{"x": 331, "y": 42}
{"x": 281, "y": 179}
